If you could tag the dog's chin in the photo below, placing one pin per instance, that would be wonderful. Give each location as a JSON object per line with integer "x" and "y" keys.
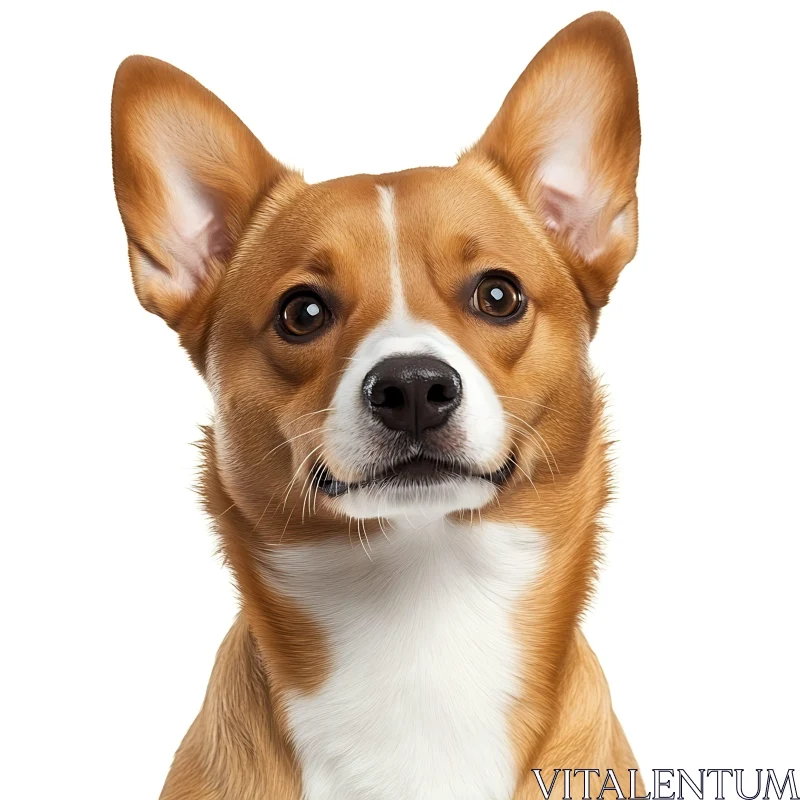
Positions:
{"x": 418, "y": 487}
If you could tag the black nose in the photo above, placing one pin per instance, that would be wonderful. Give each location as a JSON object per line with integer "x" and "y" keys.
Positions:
{"x": 412, "y": 393}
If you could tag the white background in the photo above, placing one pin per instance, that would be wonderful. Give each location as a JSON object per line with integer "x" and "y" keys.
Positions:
{"x": 113, "y": 601}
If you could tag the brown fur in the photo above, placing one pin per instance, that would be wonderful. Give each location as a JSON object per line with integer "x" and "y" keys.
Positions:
{"x": 277, "y": 232}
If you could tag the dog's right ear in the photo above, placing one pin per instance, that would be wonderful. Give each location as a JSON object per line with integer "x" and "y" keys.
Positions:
{"x": 567, "y": 137}
{"x": 187, "y": 173}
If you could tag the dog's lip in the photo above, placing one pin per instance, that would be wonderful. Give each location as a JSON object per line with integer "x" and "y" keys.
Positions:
{"x": 419, "y": 470}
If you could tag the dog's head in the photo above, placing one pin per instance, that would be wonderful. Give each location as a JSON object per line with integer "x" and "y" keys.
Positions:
{"x": 384, "y": 345}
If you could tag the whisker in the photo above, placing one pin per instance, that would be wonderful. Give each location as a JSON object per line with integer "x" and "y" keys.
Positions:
{"x": 536, "y": 433}
{"x": 316, "y": 481}
{"x": 299, "y": 435}
{"x": 288, "y": 519}
{"x": 266, "y": 507}
{"x": 366, "y": 536}
{"x": 296, "y": 472}
{"x": 522, "y": 432}
{"x": 530, "y": 479}
{"x": 311, "y": 413}
{"x": 358, "y": 528}
{"x": 339, "y": 371}
{"x": 306, "y": 492}
{"x": 529, "y": 402}
{"x": 225, "y": 511}
{"x": 383, "y": 530}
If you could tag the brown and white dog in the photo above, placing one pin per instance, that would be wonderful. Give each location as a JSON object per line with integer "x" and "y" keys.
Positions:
{"x": 407, "y": 462}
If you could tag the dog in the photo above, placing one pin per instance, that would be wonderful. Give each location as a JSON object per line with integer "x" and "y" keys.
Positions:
{"x": 407, "y": 464}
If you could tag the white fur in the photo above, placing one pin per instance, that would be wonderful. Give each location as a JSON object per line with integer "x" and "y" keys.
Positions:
{"x": 425, "y": 662}
{"x": 386, "y": 195}
{"x": 478, "y": 424}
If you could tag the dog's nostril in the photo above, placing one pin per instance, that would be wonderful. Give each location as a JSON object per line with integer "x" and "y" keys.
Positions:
{"x": 439, "y": 393}
{"x": 388, "y": 397}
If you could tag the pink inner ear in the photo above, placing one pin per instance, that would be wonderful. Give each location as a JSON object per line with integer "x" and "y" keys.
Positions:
{"x": 569, "y": 183}
{"x": 574, "y": 218}
{"x": 561, "y": 210}
{"x": 568, "y": 201}
{"x": 198, "y": 232}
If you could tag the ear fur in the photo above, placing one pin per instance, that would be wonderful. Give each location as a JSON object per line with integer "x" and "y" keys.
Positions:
{"x": 187, "y": 173}
{"x": 567, "y": 135}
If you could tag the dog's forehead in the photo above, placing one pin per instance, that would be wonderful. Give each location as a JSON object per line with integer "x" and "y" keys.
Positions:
{"x": 433, "y": 201}
{"x": 338, "y": 233}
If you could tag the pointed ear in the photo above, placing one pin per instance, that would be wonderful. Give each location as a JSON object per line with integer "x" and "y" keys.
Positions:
{"x": 187, "y": 173}
{"x": 567, "y": 135}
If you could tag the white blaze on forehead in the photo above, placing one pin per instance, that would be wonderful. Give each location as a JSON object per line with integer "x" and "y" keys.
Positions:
{"x": 386, "y": 194}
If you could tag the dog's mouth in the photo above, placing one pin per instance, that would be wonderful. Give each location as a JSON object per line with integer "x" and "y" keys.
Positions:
{"x": 415, "y": 472}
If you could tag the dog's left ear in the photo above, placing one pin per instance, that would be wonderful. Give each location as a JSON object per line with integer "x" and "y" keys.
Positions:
{"x": 567, "y": 135}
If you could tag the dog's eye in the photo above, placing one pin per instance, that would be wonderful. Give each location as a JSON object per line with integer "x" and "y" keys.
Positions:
{"x": 497, "y": 296}
{"x": 303, "y": 314}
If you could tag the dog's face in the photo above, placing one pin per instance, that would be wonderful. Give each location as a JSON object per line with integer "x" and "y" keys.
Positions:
{"x": 405, "y": 344}
{"x": 382, "y": 326}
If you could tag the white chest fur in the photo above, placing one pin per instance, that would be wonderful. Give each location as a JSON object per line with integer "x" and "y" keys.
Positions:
{"x": 424, "y": 661}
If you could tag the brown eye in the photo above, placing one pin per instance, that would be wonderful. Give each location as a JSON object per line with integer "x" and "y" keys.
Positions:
{"x": 303, "y": 314}
{"x": 497, "y": 296}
